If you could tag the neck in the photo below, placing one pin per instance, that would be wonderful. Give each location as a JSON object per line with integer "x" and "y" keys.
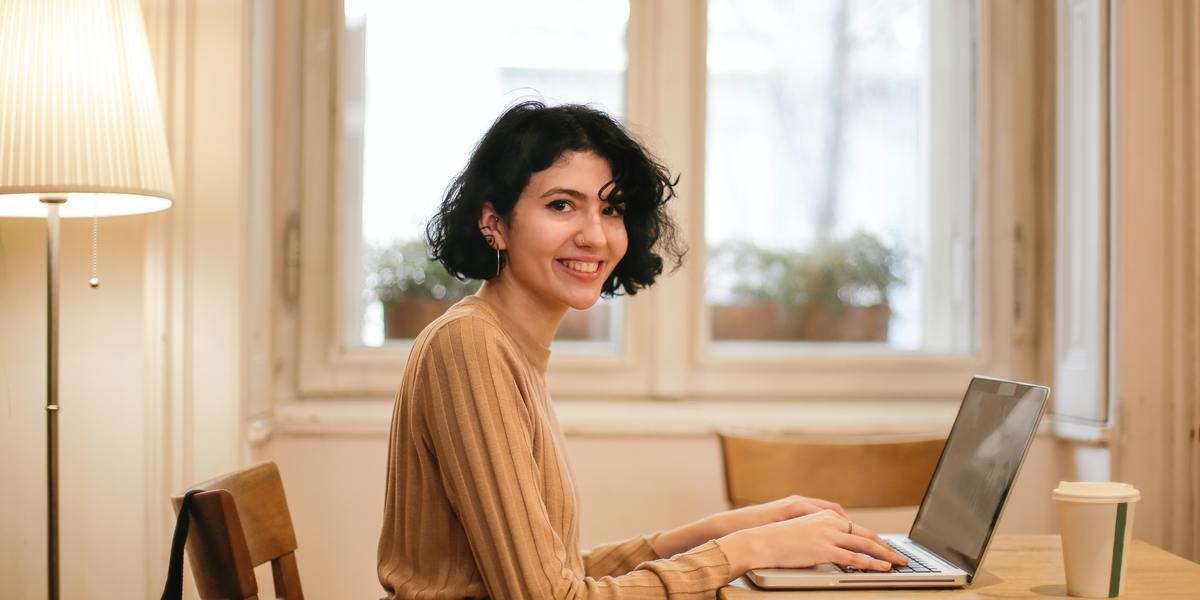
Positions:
{"x": 532, "y": 314}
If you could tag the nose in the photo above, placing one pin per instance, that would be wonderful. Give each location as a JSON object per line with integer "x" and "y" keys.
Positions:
{"x": 591, "y": 232}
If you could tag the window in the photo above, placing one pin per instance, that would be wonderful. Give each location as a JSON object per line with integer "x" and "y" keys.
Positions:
{"x": 838, "y": 194}
{"x": 831, "y": 152}
{"x": 421, "y": 81}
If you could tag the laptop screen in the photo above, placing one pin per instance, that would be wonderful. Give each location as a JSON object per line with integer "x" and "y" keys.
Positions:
{"x": 995, "y": 424}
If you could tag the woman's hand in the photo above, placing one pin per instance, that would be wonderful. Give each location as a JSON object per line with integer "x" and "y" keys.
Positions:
{"x": 820, "y": 537}
{"x": 783, "y": 509}
{"x": 670, "y": 543}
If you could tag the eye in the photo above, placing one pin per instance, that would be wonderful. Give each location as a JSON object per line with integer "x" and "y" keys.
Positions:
{"x": 559, "y": 205}
{"x": 614, "y": 210}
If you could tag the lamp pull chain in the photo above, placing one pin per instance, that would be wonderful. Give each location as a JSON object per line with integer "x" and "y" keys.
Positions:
{"x": 95, "y": 281}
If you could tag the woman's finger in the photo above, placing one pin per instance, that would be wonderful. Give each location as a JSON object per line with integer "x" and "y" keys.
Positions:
{"x": 870, "y": 534}
{"x": 799, "y": 508}
{"x": 864, "y": 531}
{"x": 859, "y": 561}
{"x": 825, "y": 504}
{"x": 880, "y": 550}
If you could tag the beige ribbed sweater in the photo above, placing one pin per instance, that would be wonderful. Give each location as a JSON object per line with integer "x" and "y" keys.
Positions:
{"x": 480, "y": 499}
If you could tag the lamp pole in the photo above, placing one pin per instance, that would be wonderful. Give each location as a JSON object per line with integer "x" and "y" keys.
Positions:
{"x": 52, "y": 247}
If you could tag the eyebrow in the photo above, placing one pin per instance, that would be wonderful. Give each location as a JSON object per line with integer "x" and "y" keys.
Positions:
{"x": 568, "y": 191}
{"x": 578, "y": 195}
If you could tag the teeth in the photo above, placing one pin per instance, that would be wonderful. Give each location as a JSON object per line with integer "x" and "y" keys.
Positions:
{"x": 582, "y": 267}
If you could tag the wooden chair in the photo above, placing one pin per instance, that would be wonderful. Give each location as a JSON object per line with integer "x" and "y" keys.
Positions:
{"x": 240, "y": 521}
{"x": 854, "y": 472}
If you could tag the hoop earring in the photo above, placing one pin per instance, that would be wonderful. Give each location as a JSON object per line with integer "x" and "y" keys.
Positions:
{"x": 491, "y": 241}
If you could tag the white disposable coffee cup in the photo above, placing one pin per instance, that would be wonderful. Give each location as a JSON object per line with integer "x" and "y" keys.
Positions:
{"x": 1096, "y": 522}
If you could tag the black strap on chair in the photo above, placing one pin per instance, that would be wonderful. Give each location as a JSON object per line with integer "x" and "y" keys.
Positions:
{"x": 173, "y": 590}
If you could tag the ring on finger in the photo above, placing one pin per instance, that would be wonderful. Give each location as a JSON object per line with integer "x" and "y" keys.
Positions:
{"x": 851, "y": 529}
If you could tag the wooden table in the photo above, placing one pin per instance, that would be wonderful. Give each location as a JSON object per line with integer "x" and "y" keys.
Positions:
{"x": 1023, "y": 566}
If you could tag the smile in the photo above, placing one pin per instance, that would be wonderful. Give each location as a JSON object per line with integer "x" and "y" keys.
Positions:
{"x": 583, "y": 270}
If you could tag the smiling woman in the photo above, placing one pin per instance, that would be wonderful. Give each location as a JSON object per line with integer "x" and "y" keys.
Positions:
{"x": 556, "y": 207}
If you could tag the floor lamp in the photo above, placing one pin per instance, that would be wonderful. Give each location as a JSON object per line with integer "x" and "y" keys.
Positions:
{"x": 81, "y": 135}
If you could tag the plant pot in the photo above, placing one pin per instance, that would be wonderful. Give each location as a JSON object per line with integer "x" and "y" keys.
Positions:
{"x": 807, "y": 322}
{"x": 757, "y": 321}
{"x": 844, "y": 322}
{"x": 404, "y": 320}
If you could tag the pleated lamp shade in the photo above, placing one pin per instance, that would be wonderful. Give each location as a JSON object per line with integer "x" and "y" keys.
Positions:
{"x": 79, "y": 111}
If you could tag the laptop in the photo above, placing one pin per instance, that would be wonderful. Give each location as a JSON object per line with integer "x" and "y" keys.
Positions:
{"x": 963, "y": 501}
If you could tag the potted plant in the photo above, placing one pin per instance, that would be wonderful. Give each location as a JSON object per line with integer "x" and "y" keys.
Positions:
{"x": 413, "y": 288}
{"x": 837, "y": 290}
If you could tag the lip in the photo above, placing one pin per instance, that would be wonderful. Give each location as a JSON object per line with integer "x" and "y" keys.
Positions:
{"x": 581, "y": 276}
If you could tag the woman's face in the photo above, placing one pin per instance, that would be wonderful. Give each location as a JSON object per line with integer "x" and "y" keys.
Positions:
{"x": 562, "y": 240}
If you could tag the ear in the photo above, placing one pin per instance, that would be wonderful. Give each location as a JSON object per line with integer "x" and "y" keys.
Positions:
{"x": 491, "y": 226}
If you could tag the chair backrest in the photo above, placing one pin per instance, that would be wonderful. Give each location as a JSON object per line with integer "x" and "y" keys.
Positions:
{"x": 870, "y": 472}
{"x": 239, "y": 521}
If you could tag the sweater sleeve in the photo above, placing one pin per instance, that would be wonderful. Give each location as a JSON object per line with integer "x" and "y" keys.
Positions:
{"x": 618, "y": 558}
{"x": 481, "y": 430}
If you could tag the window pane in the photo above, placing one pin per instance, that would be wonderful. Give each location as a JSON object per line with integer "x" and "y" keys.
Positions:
{"x": 421, "y": 82}
{"x": 839, "y": 177}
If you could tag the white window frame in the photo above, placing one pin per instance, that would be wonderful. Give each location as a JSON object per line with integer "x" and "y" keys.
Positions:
{"x": 1083, "y": 254}
{"x": 664, "y": 352}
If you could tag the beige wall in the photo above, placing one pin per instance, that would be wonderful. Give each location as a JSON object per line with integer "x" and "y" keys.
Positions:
{"x": 1156, "y": 358}
{"x": 102, "y": 429}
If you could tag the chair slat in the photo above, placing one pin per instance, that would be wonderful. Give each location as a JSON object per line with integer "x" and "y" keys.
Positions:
{"x": 242, "y": 521}
{"x": 856, "y": 473}
{"x": 216, "y": 547}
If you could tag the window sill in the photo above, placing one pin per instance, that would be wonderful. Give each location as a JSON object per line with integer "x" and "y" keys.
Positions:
{"x": 646, "y": 418}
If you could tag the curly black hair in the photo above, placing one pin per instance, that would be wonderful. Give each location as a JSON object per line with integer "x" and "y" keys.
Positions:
{"x": 529, "y": 137}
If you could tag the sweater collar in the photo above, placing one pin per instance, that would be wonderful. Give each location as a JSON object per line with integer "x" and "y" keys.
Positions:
{"x": 537, "y": 354}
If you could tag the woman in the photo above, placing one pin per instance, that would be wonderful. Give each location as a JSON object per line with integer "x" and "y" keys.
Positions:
{"x": 557, "y": 206}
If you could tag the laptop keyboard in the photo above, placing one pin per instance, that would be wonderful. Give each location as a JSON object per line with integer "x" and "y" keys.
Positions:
{"x": 915, "y": 565}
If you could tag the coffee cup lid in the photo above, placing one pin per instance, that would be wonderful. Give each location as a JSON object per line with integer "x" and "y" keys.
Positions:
{"x": 1096, "y": 491}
